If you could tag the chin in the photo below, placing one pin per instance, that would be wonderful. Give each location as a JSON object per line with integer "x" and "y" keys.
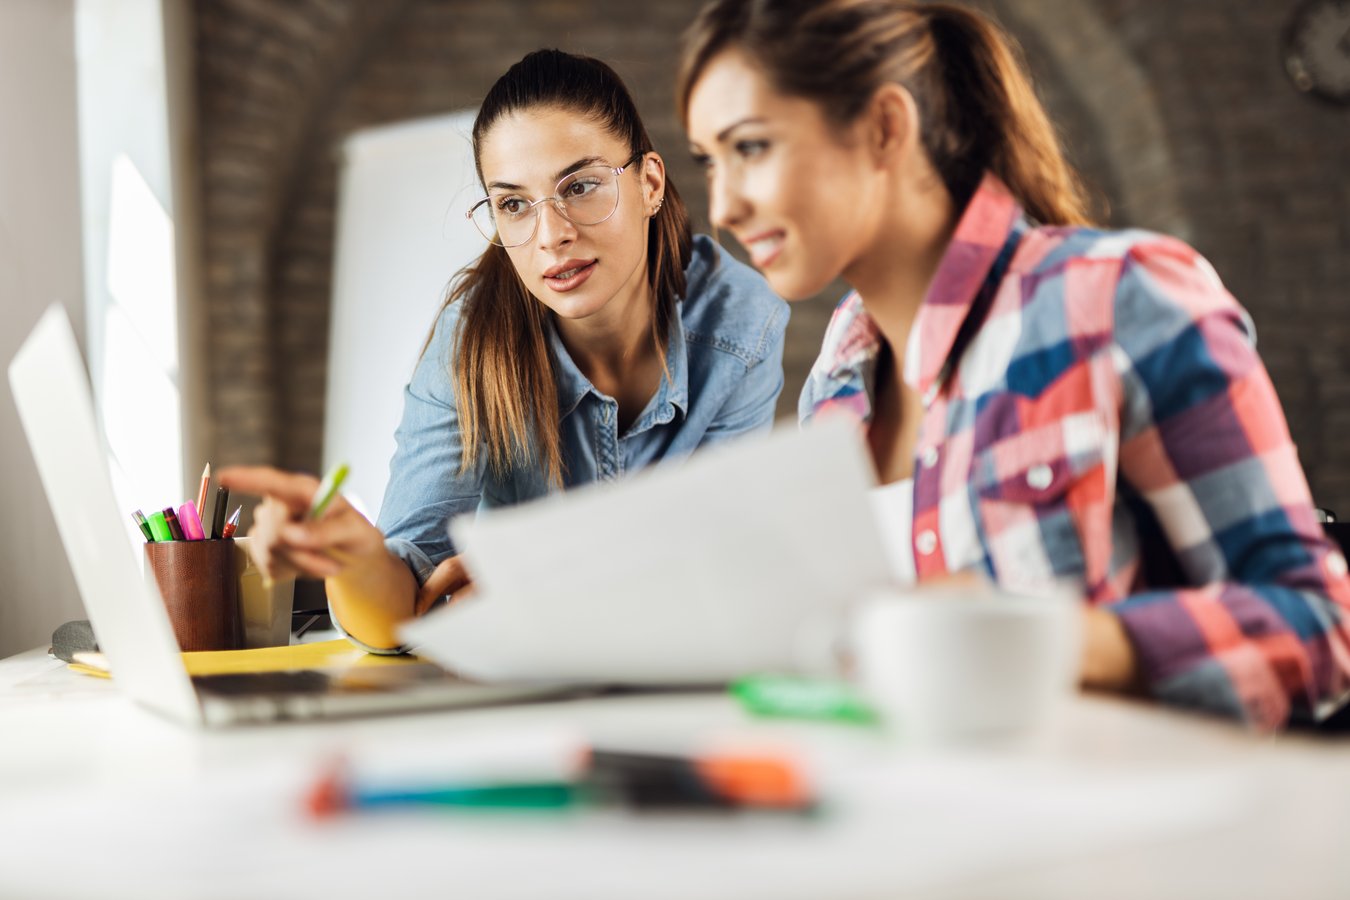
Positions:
{"x": 571, "y": 307}
{"x": 794, "y": 286}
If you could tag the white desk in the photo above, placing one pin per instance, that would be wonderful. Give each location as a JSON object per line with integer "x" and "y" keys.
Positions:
{"x": 99, "y": 798}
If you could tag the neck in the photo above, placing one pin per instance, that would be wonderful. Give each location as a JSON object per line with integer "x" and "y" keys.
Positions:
{"x": 615, "y": 341}
{"x": 895, "y": 271}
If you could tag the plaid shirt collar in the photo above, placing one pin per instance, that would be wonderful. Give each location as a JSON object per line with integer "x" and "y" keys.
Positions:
{"x": 974, "y": 263}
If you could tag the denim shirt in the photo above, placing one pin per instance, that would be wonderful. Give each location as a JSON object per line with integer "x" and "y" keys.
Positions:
{"x": 725, "y": 356}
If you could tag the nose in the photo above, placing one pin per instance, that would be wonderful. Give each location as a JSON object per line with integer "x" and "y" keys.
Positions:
{"x": 553, "y": 228}
{"x": 726, "y": 201}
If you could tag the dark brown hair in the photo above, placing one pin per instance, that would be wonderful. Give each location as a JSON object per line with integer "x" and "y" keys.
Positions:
{"x": 503, "y": 370}
{"x": 977, "y": 109}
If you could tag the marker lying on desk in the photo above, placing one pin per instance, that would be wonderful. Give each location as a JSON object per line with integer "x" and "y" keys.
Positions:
{"x": 802, "y": 698}
{"x": 720, "y": 781}
{"x": 327, "y": 490}
{"x": 334, "y": 793}
{"x": 641, "y": 781}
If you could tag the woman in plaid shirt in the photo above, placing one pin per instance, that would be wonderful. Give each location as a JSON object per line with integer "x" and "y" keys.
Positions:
{"x": 1062, "y": 401}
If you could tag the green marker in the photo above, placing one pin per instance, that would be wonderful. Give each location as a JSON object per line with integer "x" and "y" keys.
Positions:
{"x": 802, "y": 698}
{"x": 328, "y": 489}
{"x": 159, "y": 528}
{"x": 139, "y": 518}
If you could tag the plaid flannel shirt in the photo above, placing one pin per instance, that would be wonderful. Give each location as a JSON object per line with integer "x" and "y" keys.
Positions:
{"x": 1095, "y": 409}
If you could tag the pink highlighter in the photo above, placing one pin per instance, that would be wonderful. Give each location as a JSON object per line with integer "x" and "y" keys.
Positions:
{"x": 191, "y": 522}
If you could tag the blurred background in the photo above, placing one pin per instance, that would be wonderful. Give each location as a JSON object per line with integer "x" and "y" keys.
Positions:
{"x": 170, "y": 172}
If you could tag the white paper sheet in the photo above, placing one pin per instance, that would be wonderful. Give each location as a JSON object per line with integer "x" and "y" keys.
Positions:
{"x": 738, "y": 560}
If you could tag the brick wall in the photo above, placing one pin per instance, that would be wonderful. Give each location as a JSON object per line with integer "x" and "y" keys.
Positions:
{"x": 1178, "y": 114}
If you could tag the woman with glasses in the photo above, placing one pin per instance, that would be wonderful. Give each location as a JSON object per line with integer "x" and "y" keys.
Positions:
{"x": 1042, "y": 399}
{"x": 594, "y": 336}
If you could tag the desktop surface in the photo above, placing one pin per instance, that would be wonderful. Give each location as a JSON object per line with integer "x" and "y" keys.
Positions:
{"x": 1118, "y": 799}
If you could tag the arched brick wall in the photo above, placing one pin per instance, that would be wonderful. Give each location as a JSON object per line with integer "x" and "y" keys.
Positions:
{"x": 1178, "y": 114}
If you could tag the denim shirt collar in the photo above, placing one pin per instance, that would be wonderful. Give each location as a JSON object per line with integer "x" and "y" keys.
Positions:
{"x": 671, "y": 394}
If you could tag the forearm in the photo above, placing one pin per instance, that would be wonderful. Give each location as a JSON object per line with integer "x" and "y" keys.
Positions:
{"x": 370, "y": 599}
{"x": 1236, "y": 649}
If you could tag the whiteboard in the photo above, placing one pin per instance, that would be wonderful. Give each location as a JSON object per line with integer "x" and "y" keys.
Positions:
{"x": 401, "y": 236}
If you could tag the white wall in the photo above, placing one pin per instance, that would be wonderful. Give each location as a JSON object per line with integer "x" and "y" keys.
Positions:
{"x": 40, "y": 262}
{"x": 401, "y": 235}
{"x": 139, "y": 241}
{"x": 97, "y": 212}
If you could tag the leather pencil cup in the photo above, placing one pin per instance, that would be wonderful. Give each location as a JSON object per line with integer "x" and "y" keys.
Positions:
{"x": 200, "y": 589}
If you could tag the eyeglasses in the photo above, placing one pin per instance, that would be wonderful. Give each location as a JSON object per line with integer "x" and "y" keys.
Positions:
{"x": 588, "y": 196}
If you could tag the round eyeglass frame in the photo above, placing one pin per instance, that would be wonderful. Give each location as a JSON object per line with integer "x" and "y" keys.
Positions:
{"x": 559, "y": 203}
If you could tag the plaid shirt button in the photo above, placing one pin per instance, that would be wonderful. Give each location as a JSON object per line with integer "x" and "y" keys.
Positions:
{"x": 929, "y": 457}
{"x": 1336, "y": 564}
{"x": 1040, "y": 477}
{"x": 926, "y": 542}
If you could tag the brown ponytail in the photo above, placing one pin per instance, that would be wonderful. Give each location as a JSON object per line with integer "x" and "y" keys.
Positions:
{"x": 505, "y": 391}
{"x": 977, "y": 108}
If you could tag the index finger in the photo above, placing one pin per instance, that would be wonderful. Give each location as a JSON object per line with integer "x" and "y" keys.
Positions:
{"x": 295, "y": 489}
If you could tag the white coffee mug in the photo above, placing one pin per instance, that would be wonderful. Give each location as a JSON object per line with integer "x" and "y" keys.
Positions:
{"x": 967, "y": 662}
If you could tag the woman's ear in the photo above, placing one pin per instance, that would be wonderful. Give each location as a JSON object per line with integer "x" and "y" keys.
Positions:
{"x": 653, "y": 182}
{"x": 893, "y": 122}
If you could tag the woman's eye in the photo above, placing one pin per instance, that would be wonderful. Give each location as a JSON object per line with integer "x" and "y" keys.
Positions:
{"x": 512, "y": 206}
{"x": 702, "y": 160}
{"x": 579, "y": 188}
{"x": 749, "y": 149}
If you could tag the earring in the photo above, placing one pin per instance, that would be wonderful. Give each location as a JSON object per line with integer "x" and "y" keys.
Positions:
{"x": 659, "y": 202}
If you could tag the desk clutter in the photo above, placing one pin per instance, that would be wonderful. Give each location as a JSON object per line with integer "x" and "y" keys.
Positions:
{"x": 216, "y": 598}
{"x": 74, "y": 643}
{"x": 154, "y": 810}
{"x": 651, "y": 782}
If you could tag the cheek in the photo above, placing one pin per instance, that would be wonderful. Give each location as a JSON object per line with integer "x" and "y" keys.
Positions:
{"x": 520, "y": 262}
{"x": 770, "y": 188}
{"x": 624, "y": 233}
{"x": 807, "y": 194}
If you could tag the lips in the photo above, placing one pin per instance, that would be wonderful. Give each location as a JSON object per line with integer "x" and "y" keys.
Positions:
{"x": 764, "y": 247}
{"x": 569, "y": 275}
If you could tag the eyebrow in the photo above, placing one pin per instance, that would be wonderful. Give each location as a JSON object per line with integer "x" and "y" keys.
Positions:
{"x": 562, "y": 173}
{"x": 748, "y": 120}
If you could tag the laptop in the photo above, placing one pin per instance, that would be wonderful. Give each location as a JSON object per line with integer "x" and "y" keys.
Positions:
{"x": 51, "y": 391}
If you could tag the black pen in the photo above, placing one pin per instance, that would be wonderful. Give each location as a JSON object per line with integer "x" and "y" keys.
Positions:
{"x": 218, "y": 513}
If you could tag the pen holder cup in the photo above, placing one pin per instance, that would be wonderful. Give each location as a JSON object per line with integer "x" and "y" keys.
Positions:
{"x": 201, "y": 591}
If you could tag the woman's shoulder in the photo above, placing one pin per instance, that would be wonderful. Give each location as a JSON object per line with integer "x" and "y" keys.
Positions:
{"x": 1135, "y": 276}
{"x": 431, "y": 374}
{"x": 440, "y": 339}
{"x": 728, "y": 305}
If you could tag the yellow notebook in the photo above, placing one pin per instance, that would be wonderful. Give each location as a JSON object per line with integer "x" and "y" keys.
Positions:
{"x": 338, "y": 654}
